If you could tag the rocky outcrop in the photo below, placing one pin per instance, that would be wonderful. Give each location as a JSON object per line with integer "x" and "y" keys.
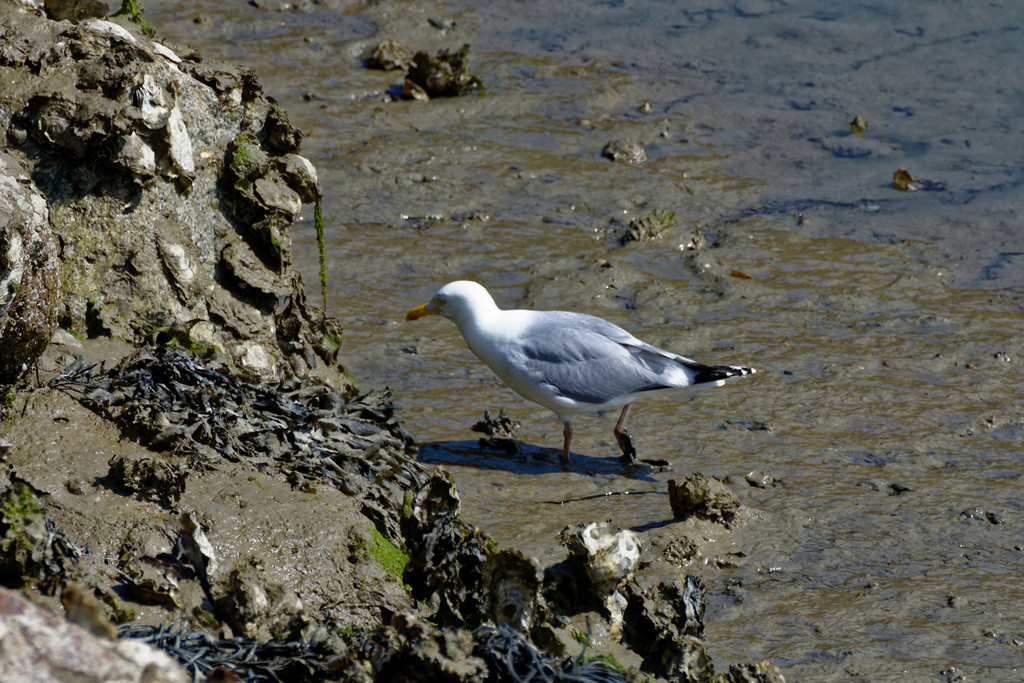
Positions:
{"x": 29, "y": 271}
{"x": 171, "y": 185}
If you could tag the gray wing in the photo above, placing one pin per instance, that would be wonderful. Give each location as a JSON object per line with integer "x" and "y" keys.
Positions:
{"x": 590, "y": 360}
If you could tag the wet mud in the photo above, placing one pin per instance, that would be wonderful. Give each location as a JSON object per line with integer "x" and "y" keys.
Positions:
{"x": 875, "y": 458}
{"x": 885, "y": 325}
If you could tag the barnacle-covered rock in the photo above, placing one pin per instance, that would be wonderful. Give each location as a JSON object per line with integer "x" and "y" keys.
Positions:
{"x": 390, "y": 55}
{"x": 124, "y": 140}
{"x": 435, "y": 498}
{"x": 467, "y": 578}
{"x": 626, "y": 150}
{"x": 137, "y": 156}
{"x": 499, "y": 432}
{"x": 512, "y": 584}
{"x": 301, "y": 176}
{"x": 660, "y": 224}
{"x": 146, "y": 560}
{"x": 446, "y": 568}
{"x": 607, "y": 558}
{"x": 247, "y": 597}
{"x": 704, "y": 497}
{"x": 29, "y": 271}
{"x": 651, "y": 226}
{"x": 441, "y": 75}
{"x": 419, "y": 651}
{"x": 148, "y": 476}
{"x": 32, "y": 552}
{"x": 665, "y": 625}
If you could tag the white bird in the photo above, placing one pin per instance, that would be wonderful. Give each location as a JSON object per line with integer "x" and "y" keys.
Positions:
{"x": 570, "y": 363}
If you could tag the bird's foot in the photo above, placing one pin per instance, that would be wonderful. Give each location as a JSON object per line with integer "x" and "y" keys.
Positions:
{"x": 628, "y": 450}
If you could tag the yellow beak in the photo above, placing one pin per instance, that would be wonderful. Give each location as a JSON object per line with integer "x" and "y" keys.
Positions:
{"x": 421, "y": 311}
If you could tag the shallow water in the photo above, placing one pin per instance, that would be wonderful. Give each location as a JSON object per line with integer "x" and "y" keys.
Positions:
{"x": 885, "y": 326}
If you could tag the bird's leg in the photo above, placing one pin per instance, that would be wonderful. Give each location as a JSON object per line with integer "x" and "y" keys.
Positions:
{"x": 567, "y": 433}
{"x": 623, "y": 437}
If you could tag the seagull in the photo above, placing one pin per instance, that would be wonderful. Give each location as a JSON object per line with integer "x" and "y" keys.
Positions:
{"x": 570, "y": 363}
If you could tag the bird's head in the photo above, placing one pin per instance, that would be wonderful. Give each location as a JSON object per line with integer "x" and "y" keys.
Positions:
{"x": 458, "y": 301}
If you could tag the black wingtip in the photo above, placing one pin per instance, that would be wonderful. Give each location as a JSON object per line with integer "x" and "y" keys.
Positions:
{"x": 714, "y": 373}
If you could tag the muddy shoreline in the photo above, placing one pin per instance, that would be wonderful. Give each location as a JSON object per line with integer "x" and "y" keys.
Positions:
{"x": 155, "y": 474}
{"x": 875, "y": 455}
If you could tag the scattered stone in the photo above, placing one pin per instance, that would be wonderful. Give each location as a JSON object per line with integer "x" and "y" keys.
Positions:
{"x": 390, "y": 55}
{"x": 501, "y": 426}
{"x": 979, "y": 514}
{"x": 651, "y": 226}
{"x": 904, "y": 182}
{"x": 441, "y": 75}
{"x": 703, "y": 497}
{"x": 762, "y": 672}
{"x": 500, "y": 433}
{"x": 759, "y": 479}
{"x": 626, "y": 150}
{"x": 147, "y": 476}
{"x": 679, "y": 550}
